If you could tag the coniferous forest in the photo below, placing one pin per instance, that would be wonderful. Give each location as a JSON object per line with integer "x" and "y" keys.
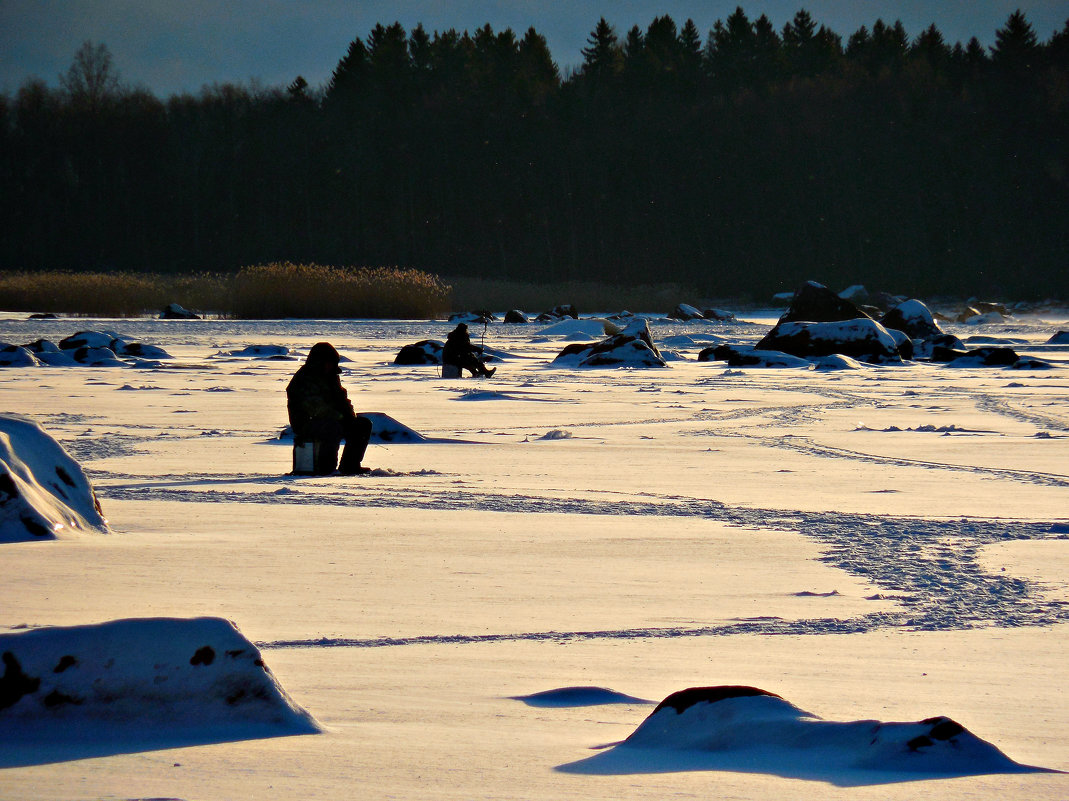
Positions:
{"x": 741, "y": 160}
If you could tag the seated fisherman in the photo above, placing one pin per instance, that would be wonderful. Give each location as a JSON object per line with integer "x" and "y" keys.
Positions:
{"x": 319, "y": 408}
{"x": 459, "y": 352}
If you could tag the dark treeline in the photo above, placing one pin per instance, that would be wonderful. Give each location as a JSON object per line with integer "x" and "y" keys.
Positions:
{"x": 743, "y": 161}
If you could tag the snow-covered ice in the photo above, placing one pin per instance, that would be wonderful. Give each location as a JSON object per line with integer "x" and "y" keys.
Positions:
{"x": 522, "y": 570}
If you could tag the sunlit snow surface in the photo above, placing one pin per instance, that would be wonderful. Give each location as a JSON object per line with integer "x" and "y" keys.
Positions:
{"x": 903, "y": 527}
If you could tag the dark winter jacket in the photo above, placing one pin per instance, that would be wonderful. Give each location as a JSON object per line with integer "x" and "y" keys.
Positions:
{"x": 458, "y": 348}
{"x": 315, "y": 394}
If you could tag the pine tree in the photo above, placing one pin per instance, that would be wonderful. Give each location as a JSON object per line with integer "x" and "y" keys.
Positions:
{"x": 1016, "y": 46}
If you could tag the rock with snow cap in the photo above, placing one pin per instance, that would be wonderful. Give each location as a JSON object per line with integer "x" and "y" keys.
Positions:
{"x": 17, "y": 356}
{"x": 516, "y": 317}
{"x": 163, "y": 673}
{"x": 912, "y": 317}
{"x": 862, "y": 338}
{"x": 632, "y": 347}
{"x": 88, "y": 339}
{"x": 426, "y": 351}
{"x": 747, "y": 728}
{"x": 685, "y": 312}
{"x": 43, "y": 491}
{"x": 173, "y": 311}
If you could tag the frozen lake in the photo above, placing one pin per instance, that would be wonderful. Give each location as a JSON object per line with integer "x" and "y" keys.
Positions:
{"x": 887, "y": 543}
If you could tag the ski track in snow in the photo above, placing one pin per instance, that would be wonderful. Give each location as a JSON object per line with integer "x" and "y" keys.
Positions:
{"x": 1001, "y": 406}
{"x": 930, "y": 567}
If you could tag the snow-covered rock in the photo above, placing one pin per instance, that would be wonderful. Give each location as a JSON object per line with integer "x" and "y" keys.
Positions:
{"x": 426, "y": 351}
{"x": 718, "y": 315}
{"x": 472, "y": 317}
{"x": 97, "y": 357}
{"x": 765, "y": 732}
{"x": 914, "y": 318}
{"x": 197, "y": 674}
{"x": 174, "y": 311}
{"x": 748, "y": 356}
{"x": 88, "y": 339}
{"x": 43, "y": 491}
{"x": 138, "y": 350}
{"x": 685, "y": 312}
{"x": 1061, "y": 338}
{"x": 835, "y": 361}
{"x": 258, "y": 352}
{"x": 17, "y": 356}
{"x": 516, "y": 317}
{"x": 632, "y": 347}
{"x": 861, "y": 338}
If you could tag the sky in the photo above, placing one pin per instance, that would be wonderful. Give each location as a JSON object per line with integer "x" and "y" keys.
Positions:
{"x": 174, "y": 46}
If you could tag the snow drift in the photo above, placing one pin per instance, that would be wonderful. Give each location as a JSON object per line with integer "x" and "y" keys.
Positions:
{"x": 42, "y": 489}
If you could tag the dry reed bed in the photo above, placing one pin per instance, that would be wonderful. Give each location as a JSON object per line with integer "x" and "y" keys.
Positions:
{"x": 269, "y": 291}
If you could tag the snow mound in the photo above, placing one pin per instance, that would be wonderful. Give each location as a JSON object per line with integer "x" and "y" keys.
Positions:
{"x": 17, "y": 356}
{"x": 746, "y": 728}
{"x": 150, "y": 676}
{"x": 42, "y": 489}
{"x": 578, "y": 696}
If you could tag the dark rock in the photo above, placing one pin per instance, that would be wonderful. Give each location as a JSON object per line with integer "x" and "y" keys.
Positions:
{"x": 203, "y": 656}
{"x": 987, "y": 357}
{"x": 717, "y": 353}
{"x": 1061, "y": 338}
{"x": 967, "y": 314}
{"x": 946, "y": 353}
{"x": 15, "y": 683}
{"x": 816, "y": 303}
{"x": 717, "y": 314}
{"x": 426, "y": 351}
{"x": 515, "y": 316}
{"x": 43, "y": 316}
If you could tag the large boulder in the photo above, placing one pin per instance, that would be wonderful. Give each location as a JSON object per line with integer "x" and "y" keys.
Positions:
{"x": 632, "y": 347}
{"x": 426, "y": 351}
{"x": 516, "y": 317}
{"x": 88, "y": 339}
{"x": 816, "y": 303}
{"x": 477, "y": 317}
{"x": 43, "y": 491}
{"x": 1061, "y": 338}
{"x": 863, "y": 339}
{"x": 912, "y": 317}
